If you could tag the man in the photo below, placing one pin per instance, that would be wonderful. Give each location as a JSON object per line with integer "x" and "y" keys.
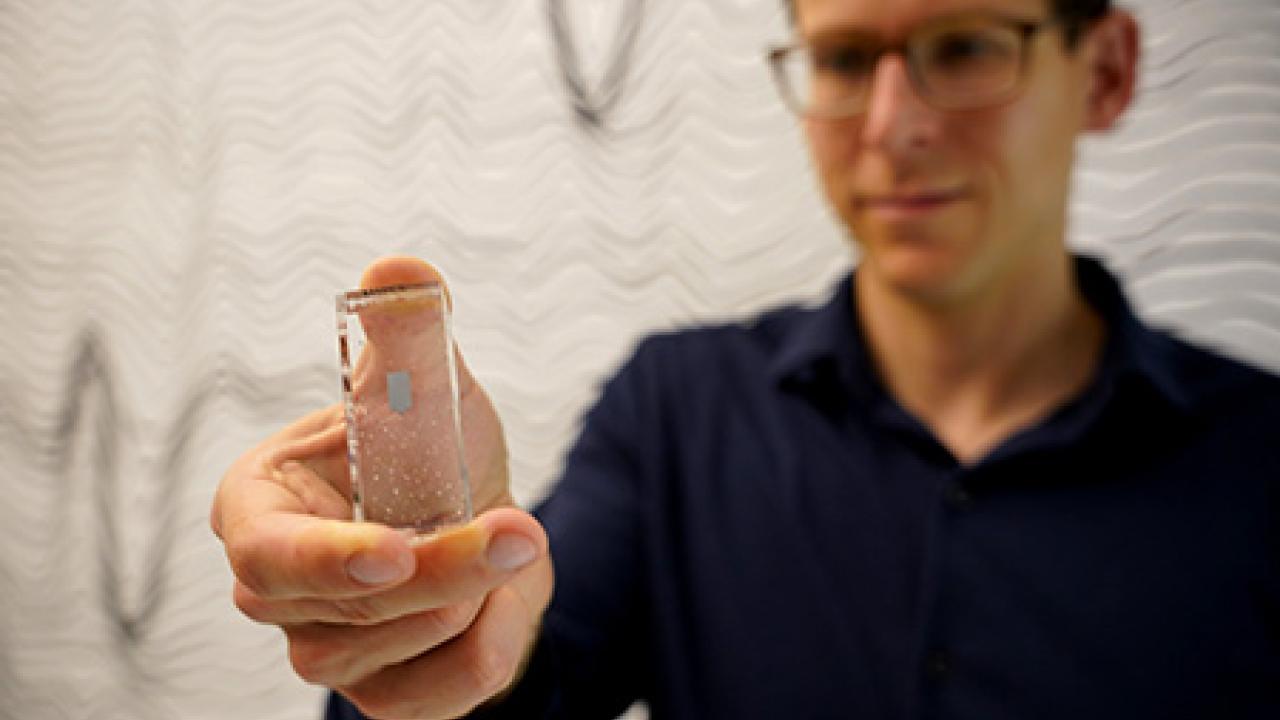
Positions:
{"x": 972, "y": 485}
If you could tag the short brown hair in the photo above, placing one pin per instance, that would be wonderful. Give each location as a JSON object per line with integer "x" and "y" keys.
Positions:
{"x": 1075, "y": 15}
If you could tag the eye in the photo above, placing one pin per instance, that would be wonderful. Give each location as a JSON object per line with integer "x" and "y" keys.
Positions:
{"x": 845, "y": 60}
{"x": 963, "y": 49}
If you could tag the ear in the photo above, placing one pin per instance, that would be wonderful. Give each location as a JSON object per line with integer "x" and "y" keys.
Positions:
{"x": 1111, "y": 50}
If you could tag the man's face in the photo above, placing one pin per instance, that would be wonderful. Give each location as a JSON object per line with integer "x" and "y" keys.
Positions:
{"x": 942, "y": 203}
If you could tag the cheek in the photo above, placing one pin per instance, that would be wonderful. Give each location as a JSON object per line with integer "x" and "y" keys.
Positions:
{"x": 1035, "y": 174}
{"x": 833, "y": 146}
{"x": 1038, "y": 150}
{"x": 1001, "y": 153}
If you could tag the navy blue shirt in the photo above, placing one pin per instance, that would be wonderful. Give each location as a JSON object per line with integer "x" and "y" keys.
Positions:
{"x": 750, "y": 527}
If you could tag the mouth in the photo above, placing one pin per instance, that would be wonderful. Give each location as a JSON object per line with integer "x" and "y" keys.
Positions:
{"x": 905, "y": 205}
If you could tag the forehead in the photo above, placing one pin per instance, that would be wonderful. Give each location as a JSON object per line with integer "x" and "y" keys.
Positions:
{"x": 891, "y": 17}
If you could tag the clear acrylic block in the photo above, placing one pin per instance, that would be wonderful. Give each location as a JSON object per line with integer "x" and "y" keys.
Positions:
{"x": 400, "y": 391}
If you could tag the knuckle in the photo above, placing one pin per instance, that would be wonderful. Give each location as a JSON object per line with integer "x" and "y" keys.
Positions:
{"x": 321, "y": 663}
{"x": 249, "y": 603}
{"x": 244, "y": 558}
{"x": 488, "y": 668}
{"x": 307, "y": 663}
{"x": 359, "y": 610}
{"x": 452, "y": 620}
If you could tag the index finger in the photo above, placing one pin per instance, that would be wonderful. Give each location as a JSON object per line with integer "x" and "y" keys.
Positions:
{"x": 285, "y": 527}
{"x": 283, "y": 556}
{"x": 455, "y": 566}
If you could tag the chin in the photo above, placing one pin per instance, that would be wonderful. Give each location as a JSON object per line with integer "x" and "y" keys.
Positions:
{"x": 921, "y": 270}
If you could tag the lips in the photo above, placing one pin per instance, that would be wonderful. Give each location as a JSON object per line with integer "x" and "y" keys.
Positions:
{"x": 909, "y": 203}
{"x": 921, "y": 199}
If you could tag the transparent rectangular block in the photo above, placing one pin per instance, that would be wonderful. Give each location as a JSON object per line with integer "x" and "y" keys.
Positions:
{"x": 400, "y": 392}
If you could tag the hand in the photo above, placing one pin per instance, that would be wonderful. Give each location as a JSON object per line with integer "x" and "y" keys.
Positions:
{"x": 403, "y": 628}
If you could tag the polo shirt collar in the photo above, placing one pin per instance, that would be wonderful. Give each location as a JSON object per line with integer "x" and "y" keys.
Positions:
{"x": 825, "y": 351}
{"x": 1133, "y": 350}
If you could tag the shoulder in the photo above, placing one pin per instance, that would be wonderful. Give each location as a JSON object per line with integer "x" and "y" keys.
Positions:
{"x": 1233, "y": 406}
{"x": 1212, "y": 382}
{"x": 674, "y": 384}
{"x": 742, "y": 345}
{"x": 701, "y": 364}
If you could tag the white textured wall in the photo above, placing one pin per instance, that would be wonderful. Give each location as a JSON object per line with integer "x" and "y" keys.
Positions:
{"x": 184, "y": 184}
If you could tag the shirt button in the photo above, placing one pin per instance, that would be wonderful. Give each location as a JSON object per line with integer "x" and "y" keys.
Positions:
{"x": 957, "y": 497}
{"x": 938, "y": 665}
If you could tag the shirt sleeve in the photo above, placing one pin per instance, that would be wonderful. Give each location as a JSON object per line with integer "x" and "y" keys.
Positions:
{"x": 591, "y": 658}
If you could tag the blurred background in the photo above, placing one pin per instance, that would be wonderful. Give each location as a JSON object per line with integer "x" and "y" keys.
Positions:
{"x": 184, "y": 185}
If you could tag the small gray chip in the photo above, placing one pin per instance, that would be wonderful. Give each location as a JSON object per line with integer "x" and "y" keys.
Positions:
{"x": 399, "y": 394}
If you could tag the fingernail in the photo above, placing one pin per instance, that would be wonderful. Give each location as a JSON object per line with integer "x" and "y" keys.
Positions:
{"x": 372, "y": 568}
{"x": 508, "y": 552}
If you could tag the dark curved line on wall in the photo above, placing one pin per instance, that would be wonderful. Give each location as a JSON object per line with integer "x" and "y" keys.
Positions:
{"x": 592, "y": 105}
{"x": 90, "y": 410}
{"x": 89, "y": 378}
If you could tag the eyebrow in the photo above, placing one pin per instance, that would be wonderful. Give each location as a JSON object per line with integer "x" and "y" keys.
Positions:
{"x": 841, "y": 32}
{"x": 850, "y": 30}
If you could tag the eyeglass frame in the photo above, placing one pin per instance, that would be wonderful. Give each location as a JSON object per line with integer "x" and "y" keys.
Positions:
{"x": 776, "y": 56}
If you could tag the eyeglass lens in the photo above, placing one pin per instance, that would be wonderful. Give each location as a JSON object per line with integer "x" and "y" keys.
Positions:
{"x": 963, "y": 62}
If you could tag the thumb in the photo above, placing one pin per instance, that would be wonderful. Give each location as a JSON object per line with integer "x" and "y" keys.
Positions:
{"x": 396, "y": 329}
{"x": 395, "y": 270}
{"x": 403, "y": 396}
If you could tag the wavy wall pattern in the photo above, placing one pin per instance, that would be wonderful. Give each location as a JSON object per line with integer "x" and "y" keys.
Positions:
{"x": 183, "y": 186}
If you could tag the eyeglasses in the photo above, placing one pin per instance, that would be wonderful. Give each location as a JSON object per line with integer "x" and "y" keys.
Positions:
{"x": 955, "y": 63}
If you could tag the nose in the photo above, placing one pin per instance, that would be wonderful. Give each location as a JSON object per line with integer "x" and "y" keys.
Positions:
{"x": 897, "y": 120}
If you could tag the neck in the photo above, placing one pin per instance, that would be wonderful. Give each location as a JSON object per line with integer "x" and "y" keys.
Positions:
{"x": 977, "y": 369}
